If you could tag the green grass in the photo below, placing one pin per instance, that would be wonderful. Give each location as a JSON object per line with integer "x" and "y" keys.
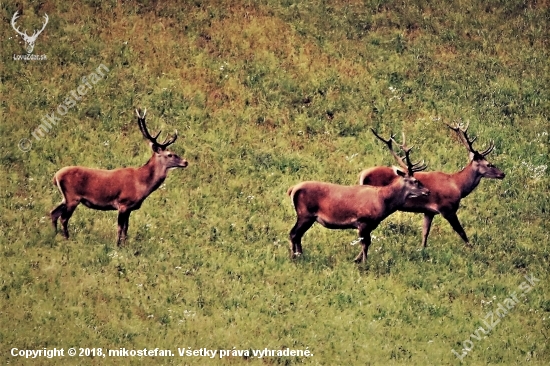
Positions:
{"x": 264, "y": 95}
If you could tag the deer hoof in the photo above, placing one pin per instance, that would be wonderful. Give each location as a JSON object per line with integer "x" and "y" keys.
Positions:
{"x": 359, "y": 259}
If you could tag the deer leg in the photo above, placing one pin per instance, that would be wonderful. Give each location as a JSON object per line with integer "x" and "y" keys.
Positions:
{"x": 453, "y": 220}
{"x": 299, "y": 229}
{"x": 426, "y": 226}
{"x": 65, "y": 216}
{"x": 123, "y": 217}
{"x": 56, "y": 213}
{"x": 125, "y": 229}
{"x": 364, "y": 235}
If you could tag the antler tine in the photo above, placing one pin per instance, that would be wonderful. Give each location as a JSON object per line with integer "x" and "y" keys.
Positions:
{"x": 454, "y": 128}
{"x": 463, "y": 135}
{"x": 143, "y": 127}
{"x": 460, "y": 126}
{"x": 418, "y": 167}
{"x": 143, "y": 117}
{"x": 169, "y": 141}
{"x": 388, "y": 143}
{"x": 411, "y": 167}
{"x": 408, "y": 166}
{"x": 469, "y": 141}
{"x": 403, "y": 146}
{"x": 141, "y": 122}
{"x": 489, "y": 149}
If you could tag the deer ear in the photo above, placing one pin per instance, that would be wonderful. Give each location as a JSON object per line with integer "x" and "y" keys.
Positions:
{"x": 156, "y": 149}
{"x": 399, "y": 172}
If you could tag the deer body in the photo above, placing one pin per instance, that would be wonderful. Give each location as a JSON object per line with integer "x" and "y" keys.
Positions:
{"x": 447, "y": 190}
{"x": 349, "y": 207}
{"x": 122, "y": 189}
{"x": 110, "y": 188}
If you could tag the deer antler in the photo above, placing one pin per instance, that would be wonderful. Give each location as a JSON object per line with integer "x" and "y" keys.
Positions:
{"x": 412, "y": 168}
{"x": 489, "y": 149}
{"x": 141, "y": 122}
{"x": 388, "y": 143}
{"x": 462, "y": 133}
{"x": 409, "y": 166}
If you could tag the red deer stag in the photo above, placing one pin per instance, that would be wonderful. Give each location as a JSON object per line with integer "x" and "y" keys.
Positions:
{"x": 122, "y": 189}
{"x": 446, "y": 189}
{"x": 352, "y": 207}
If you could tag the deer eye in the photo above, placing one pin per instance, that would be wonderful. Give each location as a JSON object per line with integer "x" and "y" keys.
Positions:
{"x": 490, "y": 165}
{"x": 169, "y": 155}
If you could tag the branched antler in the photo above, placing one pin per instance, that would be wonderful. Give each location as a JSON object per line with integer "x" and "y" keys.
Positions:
{"x": 410, "y": 167}
{"x": 141, "y": 122}
{"x": 388, "y": 143}
{"x": 462, "y": 132}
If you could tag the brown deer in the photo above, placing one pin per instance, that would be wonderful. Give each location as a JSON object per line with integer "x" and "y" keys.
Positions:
{"x": 446, "y": 189}
{"x": 122, "y": 189}
{"x": 352, "y": 207}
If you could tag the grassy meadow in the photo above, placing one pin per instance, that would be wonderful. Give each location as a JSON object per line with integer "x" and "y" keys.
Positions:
{"x": 265, "y": 94}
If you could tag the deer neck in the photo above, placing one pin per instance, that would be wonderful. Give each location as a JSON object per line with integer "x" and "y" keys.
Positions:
{"x": 467, "y": 179}
{"x": 393, "y": 196}
{"x": 152, "y": 174}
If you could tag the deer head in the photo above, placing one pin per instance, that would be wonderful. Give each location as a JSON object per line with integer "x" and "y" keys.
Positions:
{"x": 167, "y": 158}
{"x": 29, "y": 40}
{"x": 477, "y": 159}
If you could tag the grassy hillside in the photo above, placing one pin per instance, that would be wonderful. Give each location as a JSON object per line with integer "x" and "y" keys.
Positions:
{"x": 264, "y": 95}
